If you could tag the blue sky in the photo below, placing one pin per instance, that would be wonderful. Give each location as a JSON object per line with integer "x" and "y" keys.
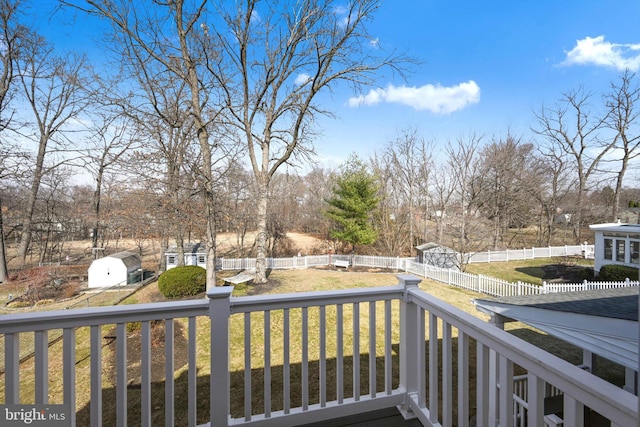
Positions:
{"x": 485, "y": 66}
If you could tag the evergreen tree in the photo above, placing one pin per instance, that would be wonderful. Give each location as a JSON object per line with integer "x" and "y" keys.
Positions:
{"x": 352, "y": 204}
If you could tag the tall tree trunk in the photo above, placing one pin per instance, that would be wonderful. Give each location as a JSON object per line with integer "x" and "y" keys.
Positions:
{"x": 96, "y": 212}
{"x": 616, "y": 199}
{"x": 202, "y": 132}
{"x": 4, "y": 273}
{"x": 27, "y": 219}
{"x": 261, "y": 238}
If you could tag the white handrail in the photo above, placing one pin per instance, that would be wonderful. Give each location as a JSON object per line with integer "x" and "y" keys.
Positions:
{"x": 497, "y": 353}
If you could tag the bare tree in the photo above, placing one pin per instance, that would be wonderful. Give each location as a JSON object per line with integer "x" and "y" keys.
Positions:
{"x": 392, "y": 216}
{"x": 442, "y": 194}
{"x": 551, "y": 165}
{"x": 572, "y": 129}
{"x": 11, "y": 34}
{"x": 317, "y": 190}
{"x": 409, "y": 158}
{"x": 622, "y": 103}
{"x": 51, "y": 87}
{"x": 111, "y": 138}
{"x": 157, "y": 39}
{"x": 508, "y": 183}
{"x": 463, "y": 161}
{"x": 279, "y": 56}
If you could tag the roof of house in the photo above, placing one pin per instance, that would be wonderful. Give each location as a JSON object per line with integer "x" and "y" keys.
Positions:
{"x": 616, "y": 227}
{"x": 604, "y": 322}
{"x": 617, "y": 303}
{"x": 189, "y": 248}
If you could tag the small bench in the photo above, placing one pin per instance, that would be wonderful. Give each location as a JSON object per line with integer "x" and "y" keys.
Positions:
{"x": 342, "y": 263}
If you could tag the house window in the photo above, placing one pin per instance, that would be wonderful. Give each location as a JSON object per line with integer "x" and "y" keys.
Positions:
{"x": 620, "y": 244}
{"x": 635, "y": 252}
{"x": 201, "y": 259}
{"x": 608, "y": 249}
{"x": 171, "y": 259}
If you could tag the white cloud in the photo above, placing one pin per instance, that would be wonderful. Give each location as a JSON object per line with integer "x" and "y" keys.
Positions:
{"x": 597, "y": 51}
{"x": 435, "y": 98}
{"x": 302, "y": 79}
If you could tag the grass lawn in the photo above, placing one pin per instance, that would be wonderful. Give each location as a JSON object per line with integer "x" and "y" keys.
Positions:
{"x": 534, "y": 270}
{"x": 289, "y": 281}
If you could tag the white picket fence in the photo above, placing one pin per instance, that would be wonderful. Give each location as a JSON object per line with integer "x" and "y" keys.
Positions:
{"x": 473, "y": 282}
{"x": 503, "y": 288}
{"x": 397, "y": 263}
{"x": 585, "y": 251}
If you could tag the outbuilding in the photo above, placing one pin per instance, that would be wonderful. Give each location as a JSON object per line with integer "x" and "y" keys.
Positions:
{"x": 438, "y": 255}
{"x": 194, "y": 254}
{"x": 118, "y": 269}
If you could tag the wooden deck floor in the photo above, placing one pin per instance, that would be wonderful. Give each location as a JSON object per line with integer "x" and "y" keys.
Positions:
{"x": 389, "y": 417}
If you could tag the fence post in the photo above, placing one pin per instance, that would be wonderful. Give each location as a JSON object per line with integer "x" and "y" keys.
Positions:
{"x": 409, "y": 342}
{"x": 219, "y": 312}
{"x": 533, "y": 252}
{"x": 544, "y": 287}
{"x": 488, "y": 256}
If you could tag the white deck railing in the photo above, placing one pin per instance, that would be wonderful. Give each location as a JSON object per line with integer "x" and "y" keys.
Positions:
{"x": 337, "y": 353}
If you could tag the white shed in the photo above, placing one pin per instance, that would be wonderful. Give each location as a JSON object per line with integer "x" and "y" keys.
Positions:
{"x": 194, "y": 254}
{"x": 117, "y": 269}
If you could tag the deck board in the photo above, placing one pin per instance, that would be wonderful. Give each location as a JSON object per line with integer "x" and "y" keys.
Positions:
{"x": 388, "y": 417}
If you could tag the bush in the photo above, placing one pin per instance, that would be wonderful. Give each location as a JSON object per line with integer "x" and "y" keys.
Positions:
{"x": 180, "y": 282}
{"x": 617, "y": 273}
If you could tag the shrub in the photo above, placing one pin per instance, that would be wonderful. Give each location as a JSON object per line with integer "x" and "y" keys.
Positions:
{"x": 180, "y": 282}
{"x": 617, "y": 273}
{"x": 20, "y": 303}
{"x": 587, "y": 274}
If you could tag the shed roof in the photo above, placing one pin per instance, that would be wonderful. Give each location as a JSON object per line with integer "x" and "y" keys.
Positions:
{"x": 189, "y": 248}
{"x": 431, "y": 245}
{"x": 129, "y": 259}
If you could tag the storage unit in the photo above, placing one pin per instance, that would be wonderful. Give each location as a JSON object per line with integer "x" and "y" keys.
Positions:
{"x": 120, "y": 269}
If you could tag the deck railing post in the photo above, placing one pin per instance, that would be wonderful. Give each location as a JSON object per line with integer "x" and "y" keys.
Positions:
{"x": 219, "y": 312}
{"x": 409, "y": 343}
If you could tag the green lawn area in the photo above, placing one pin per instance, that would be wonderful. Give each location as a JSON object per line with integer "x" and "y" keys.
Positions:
{"x": 534, "y": 270}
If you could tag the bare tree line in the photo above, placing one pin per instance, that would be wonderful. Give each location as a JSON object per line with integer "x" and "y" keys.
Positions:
{"x": 206, "y": 125}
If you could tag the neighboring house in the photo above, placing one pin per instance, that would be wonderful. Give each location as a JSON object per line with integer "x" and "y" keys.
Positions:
{"x": 437, "y": 255}
{"x": 616, "y": 243}
{"x": 118, "y": 269}
{"x": 600, "y": 322}
{"x": 194, "y": 254}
